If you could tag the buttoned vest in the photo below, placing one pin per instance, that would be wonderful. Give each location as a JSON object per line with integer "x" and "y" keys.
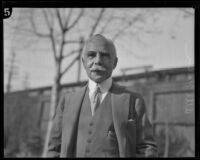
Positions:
{"x": 96, "y": 136}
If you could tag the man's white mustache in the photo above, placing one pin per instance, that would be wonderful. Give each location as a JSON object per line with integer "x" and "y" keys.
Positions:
{"x": 97, "y": 69}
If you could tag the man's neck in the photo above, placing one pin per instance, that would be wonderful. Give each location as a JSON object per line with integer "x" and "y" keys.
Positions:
{"x": 104, "y": 86}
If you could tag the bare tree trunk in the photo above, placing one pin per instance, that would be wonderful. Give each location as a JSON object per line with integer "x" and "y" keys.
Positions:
{"x": 54, "y": 102}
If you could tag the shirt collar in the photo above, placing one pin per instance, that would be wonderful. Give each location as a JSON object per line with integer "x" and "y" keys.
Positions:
{"x": 104, "y": 86}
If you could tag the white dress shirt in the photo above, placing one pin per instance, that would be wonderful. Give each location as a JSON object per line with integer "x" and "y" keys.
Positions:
{"x": 104, "y": 87}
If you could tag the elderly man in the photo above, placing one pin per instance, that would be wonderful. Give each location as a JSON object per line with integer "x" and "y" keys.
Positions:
{"x": 101, "y": 119}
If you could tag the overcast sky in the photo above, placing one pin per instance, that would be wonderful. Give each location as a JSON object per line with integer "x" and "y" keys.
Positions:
{"x": 171, "y": 48}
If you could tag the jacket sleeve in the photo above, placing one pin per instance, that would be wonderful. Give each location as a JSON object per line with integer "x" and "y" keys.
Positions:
{"x": 54, "y": 144}
{"x": 145, "y": 141}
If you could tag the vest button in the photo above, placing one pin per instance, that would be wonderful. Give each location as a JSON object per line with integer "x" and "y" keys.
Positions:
{"x": 90, "y": 132}
{"x": 87, "y": 150}
{"x": 91, "y": 124}
{"x": 89, "y": 141}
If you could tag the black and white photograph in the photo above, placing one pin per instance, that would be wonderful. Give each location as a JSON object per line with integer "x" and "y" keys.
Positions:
{"x": 99, "y": 82}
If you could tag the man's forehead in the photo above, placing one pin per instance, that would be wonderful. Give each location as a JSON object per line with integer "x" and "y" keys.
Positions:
{"x": 99, "y": 42}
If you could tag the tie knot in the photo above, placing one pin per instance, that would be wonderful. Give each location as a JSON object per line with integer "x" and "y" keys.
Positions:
{"x": 96, "y": 94}
{"x": 97, "y": 89}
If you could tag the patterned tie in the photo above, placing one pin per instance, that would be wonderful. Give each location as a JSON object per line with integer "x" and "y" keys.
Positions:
{"x": 95, "y": 99}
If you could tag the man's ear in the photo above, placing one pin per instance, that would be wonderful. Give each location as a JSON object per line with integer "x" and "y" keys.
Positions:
{"x": 115, "y": 63}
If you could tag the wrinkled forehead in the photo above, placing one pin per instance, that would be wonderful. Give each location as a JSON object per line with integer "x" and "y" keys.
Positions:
{"x": 101, "y": 44}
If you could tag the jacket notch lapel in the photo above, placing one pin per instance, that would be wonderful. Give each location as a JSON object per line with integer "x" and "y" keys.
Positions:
{"x": 71, "y": 119}
{"x": 120, "y": 109}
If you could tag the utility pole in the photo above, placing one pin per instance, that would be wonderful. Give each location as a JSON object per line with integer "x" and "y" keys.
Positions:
{"x": 11, "y": 72}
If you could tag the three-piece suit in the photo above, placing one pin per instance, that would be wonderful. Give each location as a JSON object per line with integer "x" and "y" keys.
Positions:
{"x": 119, "y": 128}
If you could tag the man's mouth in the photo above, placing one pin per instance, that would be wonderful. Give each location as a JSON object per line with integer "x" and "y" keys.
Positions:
{"x": 97, "y": 71}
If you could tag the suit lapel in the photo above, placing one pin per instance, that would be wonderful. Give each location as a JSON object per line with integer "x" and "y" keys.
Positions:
{"x": 120, "y": 109}
{"x": 70, "y": 119}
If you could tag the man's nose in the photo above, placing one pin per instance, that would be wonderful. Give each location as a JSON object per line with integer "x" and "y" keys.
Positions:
{"x": 98, "y": 58}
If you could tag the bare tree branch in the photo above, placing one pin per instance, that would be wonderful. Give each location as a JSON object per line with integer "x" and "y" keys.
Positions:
{"x": 75, "y": 21}
{"x": 129, "y": 24}
{"x": 61, "y": 48}
{"x": 59, "y": 19}
{"x": 71, "y": 53}
{"x": 68, "y": 17}
{"x": 187, "y": 11}
{"x": 53, "y": 46}
{"x": 68, "y": 67}
{"x": 62, "y": 36}
{"x": 35, "y": 29}
{"x": 120, "y": 32}
{"x": 51, "y": 14}
{"x": 49, "y": 25}
{"x": 97, "y": 22}
{"x": 71, "y": 41}
{"x": 20, "y": 28}
{"x": 106, "y": 24}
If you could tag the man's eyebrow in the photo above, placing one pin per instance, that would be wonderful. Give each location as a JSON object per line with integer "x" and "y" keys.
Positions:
{"x": 94, "y": 52}
{"x": 91, "y": 51}
{"x": 105, "y": 53}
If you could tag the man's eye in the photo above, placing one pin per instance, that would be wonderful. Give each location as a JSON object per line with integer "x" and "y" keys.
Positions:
{"x": 91, "y": 54}
{"x": 106, "y": 55}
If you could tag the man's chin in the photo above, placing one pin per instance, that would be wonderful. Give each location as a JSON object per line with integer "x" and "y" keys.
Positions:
{"x": 98, "y": 79}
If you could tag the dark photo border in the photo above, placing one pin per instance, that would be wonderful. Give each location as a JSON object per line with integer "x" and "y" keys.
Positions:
{"x": 9, "y": 4}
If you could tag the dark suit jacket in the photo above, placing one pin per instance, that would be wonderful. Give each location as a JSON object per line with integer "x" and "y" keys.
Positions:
{"x": 132, "y": 127}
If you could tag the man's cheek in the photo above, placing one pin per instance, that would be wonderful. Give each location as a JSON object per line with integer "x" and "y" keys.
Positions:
{"x": 89, "y": 64}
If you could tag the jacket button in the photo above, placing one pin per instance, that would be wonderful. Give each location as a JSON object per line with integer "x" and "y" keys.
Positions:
{"x": 87, "y": 151}
{"x": 89, "y": 141}
{"x": 91, "y": 124}
{"x": 90, "y": 132}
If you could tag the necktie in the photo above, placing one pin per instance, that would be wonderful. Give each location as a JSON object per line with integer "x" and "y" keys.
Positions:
{"x": 95, "y": 99}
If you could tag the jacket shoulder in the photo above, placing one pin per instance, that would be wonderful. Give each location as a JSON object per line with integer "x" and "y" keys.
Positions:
{"x": 70, "y": 93}
{"x": 137, "y": 104}
{"x": 126, "y": 90}
{"x": 65, "y": 98}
